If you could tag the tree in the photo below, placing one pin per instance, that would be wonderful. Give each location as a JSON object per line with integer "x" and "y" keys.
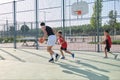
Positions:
{"x": 24, "y": 29}
{"x": 95, "y": 11}
{"x": 112, "y": 16}
{"x": 11, "y": 29}
{"x": 113, "y": 21}
{"x": 96, "y": 19}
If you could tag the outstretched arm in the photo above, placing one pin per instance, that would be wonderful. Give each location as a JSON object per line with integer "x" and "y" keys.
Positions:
{"x": 103, "y": 42}
{"x": 54, "y": 31}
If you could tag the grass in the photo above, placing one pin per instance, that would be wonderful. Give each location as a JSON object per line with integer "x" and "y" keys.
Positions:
{"x": 93, "y": 42}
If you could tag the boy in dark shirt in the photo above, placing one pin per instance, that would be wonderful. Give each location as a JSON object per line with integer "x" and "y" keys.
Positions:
{"x": 48, "y": 32}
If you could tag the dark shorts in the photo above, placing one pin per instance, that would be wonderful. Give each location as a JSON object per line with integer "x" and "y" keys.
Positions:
{"x": 107, "y": 48}
{"x": 63, "y": 48}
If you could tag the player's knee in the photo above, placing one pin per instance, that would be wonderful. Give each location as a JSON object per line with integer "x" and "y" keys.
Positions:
{"x": 48, "y": 49}
{"x": 104, "y": 49}
{"x": 65, "y": 51}
{"x": 60, "y": 49}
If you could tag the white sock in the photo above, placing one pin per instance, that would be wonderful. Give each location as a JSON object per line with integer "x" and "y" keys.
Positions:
{"x": 54, "y": 54}
{"x": 51, "y": 56}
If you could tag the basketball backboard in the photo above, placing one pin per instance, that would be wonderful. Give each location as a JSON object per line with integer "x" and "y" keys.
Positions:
{"x": 79, "y": 8}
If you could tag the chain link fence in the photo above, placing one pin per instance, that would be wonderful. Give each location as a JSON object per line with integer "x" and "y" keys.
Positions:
{"x": 19, "y": 24}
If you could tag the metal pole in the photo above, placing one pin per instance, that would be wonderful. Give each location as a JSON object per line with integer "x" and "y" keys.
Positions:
{"x": 61, "y": 15}
{"x": 98, "y": 46}
{"x": 4, "y": 31}
{"x": 77, "y": 3}
{"x": 63, "y": 5}
{"x": 44, "y": 16}
{"x": 114, "y": 20}
{"x": 24, "y": 30}
{"x": 70, "y": 17}
{"x": 31, "y": 25}
{"x": 18, "y": 28}
{"x": 14, "y": 21}
{"x": 7, "y": 27}
{"x": 36, "y": 17}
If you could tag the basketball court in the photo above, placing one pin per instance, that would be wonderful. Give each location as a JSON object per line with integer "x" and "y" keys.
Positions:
{"x": 23, "y": 54}
{"x": 23, "y": 64}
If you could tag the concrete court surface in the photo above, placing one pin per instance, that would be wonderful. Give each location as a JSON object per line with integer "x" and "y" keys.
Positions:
{"x": 31, "y": 64}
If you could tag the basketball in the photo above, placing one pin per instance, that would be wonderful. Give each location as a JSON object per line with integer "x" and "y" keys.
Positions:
{"x": 41, "y": 40}
{"x": 102, "y": 42}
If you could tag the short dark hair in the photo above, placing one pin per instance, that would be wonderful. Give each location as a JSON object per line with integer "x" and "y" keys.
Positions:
{"x": 42, "y": 24}
{"x": 60, "y": 32}
{"x": 107, "y": 31}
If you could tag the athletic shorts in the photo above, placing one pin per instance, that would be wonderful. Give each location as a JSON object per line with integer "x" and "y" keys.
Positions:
{"x": 51, "y": 40}
{"x": 63, "y": 48}
{"x": 107, "y": 48}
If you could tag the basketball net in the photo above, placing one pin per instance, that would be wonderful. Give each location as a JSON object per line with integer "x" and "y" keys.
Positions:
{"x": 79, "y": 12}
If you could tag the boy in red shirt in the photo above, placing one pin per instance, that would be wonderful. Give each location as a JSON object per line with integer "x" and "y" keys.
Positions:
{"x": 108, "y": 43}
{"x": 63, "y": 44}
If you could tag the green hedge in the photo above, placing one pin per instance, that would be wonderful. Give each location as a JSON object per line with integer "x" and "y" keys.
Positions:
{"x": 116, "y": 42}
{"x": 113, "y": 42}
{"x": 7, "y": 40}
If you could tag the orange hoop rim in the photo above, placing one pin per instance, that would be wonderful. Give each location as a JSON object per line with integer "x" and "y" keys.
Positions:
{"x": 78, "y": 12}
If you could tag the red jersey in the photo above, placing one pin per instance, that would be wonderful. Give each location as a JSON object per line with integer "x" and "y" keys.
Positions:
{"x": 62, "y": 42}
{"x": 108, "y": 41}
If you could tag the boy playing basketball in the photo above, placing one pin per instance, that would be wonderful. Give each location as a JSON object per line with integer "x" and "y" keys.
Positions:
{"x": 49, "y": 32}
{"x": 108, "y": 43}
{"x": 63, "y": 44}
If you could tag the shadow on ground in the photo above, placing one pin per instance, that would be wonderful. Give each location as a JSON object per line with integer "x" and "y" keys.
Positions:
{"x": 86, "y": 73}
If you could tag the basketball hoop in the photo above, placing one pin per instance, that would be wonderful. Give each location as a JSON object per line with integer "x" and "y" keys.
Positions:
{"x": 79, "y": 12}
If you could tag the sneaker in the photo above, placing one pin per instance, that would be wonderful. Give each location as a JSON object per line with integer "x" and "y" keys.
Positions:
{"x": 51, "y": 60}
{"x": 57, "y": 57}
{"x": 73, "y": 56}
{"x": 63, "y": 57}
{"x": 110, "y": 52}
{"x": 115, "y": 56}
